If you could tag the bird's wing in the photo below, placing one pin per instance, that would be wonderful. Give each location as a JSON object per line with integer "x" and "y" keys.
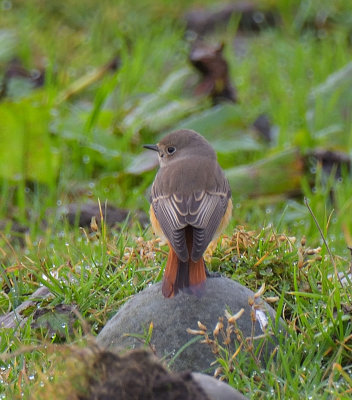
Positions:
{"x": 172, "y": 219}
{"x": 205, "y": 215}
{"x": 202, "y": 210}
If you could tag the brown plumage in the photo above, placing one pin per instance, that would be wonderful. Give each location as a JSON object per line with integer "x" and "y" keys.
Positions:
{"x": 190, "y": 206}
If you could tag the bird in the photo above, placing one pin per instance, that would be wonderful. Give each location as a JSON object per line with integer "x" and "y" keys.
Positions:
{"x": 190, "y": 207}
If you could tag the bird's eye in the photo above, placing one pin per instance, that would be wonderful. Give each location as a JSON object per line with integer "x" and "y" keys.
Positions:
{"x": 171, "y": 150}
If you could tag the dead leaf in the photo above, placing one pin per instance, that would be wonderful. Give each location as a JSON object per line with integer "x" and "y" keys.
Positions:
{"x": 331, "y": 161}
{"x": 251, "y": 18}
{"x": 209, "y": 61}
{"x": 16, "y": 71}
{"x": 263, "y": 127}
{"x": 57, "y": 320}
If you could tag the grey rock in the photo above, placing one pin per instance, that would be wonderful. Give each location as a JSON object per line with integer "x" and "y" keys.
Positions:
{"x": 172, "y": 317}
{"x": 216, "y": 390}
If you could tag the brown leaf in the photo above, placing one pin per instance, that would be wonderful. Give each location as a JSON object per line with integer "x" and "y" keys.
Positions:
{"x": 16, "y": 70}
{"x": 263, "y": 127}
{"x": 251, "y": 18}
{"x": 331, "y": 161}
{"x": 56, "y": 320}
{"x": 209, "y": 61}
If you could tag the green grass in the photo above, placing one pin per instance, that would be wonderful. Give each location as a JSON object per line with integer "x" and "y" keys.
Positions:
{"x": 68, "y": 142}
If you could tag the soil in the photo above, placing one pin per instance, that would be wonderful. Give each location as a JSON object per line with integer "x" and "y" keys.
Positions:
{"x": 137, "y": 375}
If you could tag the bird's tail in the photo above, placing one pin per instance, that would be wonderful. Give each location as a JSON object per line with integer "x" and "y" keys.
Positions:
{"x": 183, "y": 275}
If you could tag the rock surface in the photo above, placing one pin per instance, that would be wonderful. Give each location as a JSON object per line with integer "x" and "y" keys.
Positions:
{"x": 172, "y": 317}
{"x": 216, "y": 390}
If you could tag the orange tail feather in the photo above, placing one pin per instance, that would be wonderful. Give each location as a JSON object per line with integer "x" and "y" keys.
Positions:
{"x": 170, "y": 275}
{"x": 197, "y": 276}
{"x": 178, "y": 275}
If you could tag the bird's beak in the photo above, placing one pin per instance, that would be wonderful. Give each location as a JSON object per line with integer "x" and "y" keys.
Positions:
{"x": 151, "y": 147}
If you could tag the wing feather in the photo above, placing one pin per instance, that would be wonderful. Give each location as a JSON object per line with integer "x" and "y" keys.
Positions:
{"x": 203, "y": 212}
{"x": 201, "y": 209}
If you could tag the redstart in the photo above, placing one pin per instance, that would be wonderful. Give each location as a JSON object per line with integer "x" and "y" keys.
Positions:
{"x": 190, "y": 206}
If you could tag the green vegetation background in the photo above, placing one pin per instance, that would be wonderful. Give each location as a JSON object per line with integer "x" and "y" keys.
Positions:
{"x": 77, "y": 139}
